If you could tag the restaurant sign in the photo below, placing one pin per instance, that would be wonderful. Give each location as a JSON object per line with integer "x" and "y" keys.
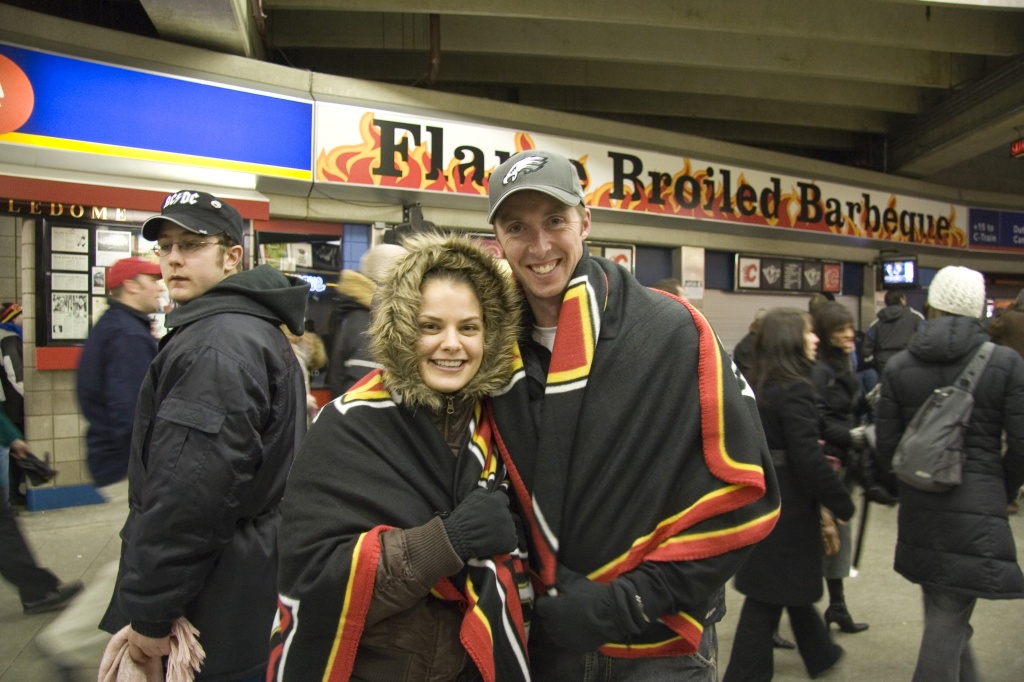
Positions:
{"x": 357, "y": 145}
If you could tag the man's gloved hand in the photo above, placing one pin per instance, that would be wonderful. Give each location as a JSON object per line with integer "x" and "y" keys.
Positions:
{"x": 482, "y": 525}
{"x": 857, "y": 438}
{"x": 587, "y": 614}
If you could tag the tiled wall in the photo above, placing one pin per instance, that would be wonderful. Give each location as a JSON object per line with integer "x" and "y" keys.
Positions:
{"x": 52, "y": 421}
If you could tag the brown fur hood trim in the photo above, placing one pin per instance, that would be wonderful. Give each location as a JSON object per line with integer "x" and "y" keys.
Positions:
{"x": 394, "y": 330}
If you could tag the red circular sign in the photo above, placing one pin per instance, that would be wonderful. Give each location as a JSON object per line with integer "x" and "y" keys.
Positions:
{"x": 16, "y": 96}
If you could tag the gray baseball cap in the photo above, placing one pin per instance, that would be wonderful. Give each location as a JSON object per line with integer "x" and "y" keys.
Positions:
{"x": 546, "y": 172}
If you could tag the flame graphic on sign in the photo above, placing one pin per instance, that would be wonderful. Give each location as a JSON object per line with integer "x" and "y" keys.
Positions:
{"x": 357, "y": 163}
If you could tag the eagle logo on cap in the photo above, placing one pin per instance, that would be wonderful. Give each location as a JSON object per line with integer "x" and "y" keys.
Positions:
{"x": 525, "y": 165}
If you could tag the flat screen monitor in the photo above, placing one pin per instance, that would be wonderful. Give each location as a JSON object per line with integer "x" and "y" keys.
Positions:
{"x": 899, "y": 272}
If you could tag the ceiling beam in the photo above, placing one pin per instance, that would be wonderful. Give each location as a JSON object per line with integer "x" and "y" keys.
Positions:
{"x": 585, "y": 40}
{"x": 390, "y": 66}
{"x": 585, "y": 100}
{"x": 936, "y": 28}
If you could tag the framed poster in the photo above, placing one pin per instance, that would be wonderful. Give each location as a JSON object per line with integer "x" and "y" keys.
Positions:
{"x": 748, "y": 272}
{"x": 811, "y": 276}
{"x": 69, "y": 316}
{"x": 72, "y": 239}
{"x": 832, "y": 277}
{"x": 771, "y": 274}
{"x": 112, "y": 246}
{"x": 792, "y": 275}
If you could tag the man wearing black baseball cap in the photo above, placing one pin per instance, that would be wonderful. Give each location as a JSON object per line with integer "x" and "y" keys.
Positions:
{"x": 219, "y": 418}
{"x": 646, "y": 475}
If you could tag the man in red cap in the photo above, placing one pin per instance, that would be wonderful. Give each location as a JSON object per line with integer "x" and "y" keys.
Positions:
{"x": 114, "y": 362}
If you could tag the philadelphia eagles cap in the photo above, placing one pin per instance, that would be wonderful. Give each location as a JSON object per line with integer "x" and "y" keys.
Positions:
{"x": 197, "y": 212}
{"x": 546, "y": 172}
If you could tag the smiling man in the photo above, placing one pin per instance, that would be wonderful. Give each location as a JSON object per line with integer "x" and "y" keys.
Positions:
{"x": 219, "y": 418}
{"x": 645, "y": 474}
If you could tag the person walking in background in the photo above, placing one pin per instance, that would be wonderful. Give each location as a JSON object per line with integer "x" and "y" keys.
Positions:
{"x": 743, "y": 354}
{"x": 309, "y": 351}
{"x": 841, "y": 403}
{"x": 113, "y": 365}
{"x": 12, "y": 396}
{"x": 891, "y": 330}
{"x": 784, "y": 570}
{"x": 671, "y": 285}
{"x": 219, "y": 418}
{"x": 114, "y": 362}
{"x": 630, "y": 590}
{"x": 957, "y": 545}
{"x": 39, "y": 589}
{"x": 1007, "y": 329}
{"x": 396, "y": 501}
{"x": 349, "y": 356}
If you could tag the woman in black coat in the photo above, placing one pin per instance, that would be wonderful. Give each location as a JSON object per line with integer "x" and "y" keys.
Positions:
{"x": 841, "y": 404}
{"x": 784, "y": 570}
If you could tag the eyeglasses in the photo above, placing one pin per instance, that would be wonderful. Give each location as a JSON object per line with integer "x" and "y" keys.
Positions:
{"x": 186, "y": 247}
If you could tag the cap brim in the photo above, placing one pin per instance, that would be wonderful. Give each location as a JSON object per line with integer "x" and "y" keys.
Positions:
{"x": 567, "y": 198}
{"x": 151, "y": 228}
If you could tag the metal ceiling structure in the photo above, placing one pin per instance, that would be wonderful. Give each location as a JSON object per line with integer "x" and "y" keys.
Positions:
{"x": 928, "y": 91}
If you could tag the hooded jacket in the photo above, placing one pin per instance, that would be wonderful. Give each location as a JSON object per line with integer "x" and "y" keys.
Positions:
{"x": 959, "y": 540}
{"x": 889, "y": 333}
{"x": 359, "y": 514}
{"x": 350, "y": 355}
{"x": 220, "y": 415}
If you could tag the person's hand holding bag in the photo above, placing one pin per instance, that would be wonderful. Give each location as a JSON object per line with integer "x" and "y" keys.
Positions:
{"x": 587, "y": 614}
{"x": 482, "y": 525}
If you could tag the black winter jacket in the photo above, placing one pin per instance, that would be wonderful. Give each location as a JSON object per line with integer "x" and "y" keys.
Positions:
{"x": 959, "y": 540}
{"x": 889, "y": 333}
{"x": 110, "y": 372}
{"x": 785, "y": 568}
{"x": 219, "y": 419}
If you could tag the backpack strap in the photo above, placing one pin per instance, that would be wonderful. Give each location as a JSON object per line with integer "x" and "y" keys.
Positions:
{"x": 968, "y": 378}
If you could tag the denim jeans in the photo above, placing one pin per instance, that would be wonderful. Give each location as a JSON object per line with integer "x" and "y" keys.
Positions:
{"x": 5, "y": 474}
{"x": 596, "y": 667}
{"x": 946, "y": 654}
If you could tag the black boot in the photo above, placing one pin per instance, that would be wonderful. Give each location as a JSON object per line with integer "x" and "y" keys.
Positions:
{"x": 780, "y": 642}
{"x": 837, "y": 613}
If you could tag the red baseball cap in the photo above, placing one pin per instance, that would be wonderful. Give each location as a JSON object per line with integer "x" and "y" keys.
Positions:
{"x": 130, "y": 268}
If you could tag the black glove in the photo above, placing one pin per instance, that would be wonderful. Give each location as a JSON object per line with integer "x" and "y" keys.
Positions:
{"x": 481, "y": 525}
{"x": 587, "y": 614}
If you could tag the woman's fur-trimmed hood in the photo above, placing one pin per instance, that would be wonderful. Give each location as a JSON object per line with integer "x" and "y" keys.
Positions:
{"x": 394, "y": 329}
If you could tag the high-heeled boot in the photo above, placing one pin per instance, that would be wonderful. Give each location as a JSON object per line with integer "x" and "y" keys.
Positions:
{"x": 837, "y": 613}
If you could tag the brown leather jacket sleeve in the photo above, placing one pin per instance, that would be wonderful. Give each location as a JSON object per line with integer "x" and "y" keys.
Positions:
{"x": 411, "y": 563}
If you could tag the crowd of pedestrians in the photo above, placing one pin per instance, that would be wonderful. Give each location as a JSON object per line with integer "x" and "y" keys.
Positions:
{"x": 466, "y": 507}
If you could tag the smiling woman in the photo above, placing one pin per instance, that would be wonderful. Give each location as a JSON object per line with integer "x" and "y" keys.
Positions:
{"x": 397, "y": 499}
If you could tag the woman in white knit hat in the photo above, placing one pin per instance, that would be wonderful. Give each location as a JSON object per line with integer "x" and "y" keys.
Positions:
{"x": 957, "y": 545}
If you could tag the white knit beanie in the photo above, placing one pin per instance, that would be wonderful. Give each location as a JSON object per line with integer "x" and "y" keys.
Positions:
{"x": 376, "y": 262}
{"x": 957, "y": 290}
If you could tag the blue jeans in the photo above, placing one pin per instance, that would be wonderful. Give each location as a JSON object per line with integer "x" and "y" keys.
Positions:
{"x": 946, "y": 654}
{"x": 596, "y": 667}
{"x": 5, "y": 474}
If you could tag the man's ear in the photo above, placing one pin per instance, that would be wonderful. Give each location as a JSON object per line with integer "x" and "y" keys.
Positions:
{"x": 586, "y": 222}
{"x": 232, "y": 257}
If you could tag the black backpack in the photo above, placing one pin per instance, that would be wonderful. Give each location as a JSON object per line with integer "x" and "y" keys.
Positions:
{"x": 930, "y": 454}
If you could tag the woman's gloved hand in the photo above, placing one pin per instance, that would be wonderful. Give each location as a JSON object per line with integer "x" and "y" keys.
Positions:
{"x": 481, "y": 525}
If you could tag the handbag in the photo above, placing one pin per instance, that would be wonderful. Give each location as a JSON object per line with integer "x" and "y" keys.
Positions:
{"x": 829, "y": 533}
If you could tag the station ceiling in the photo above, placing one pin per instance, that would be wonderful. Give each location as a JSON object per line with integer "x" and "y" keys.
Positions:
{"x": 926, "y": 90}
